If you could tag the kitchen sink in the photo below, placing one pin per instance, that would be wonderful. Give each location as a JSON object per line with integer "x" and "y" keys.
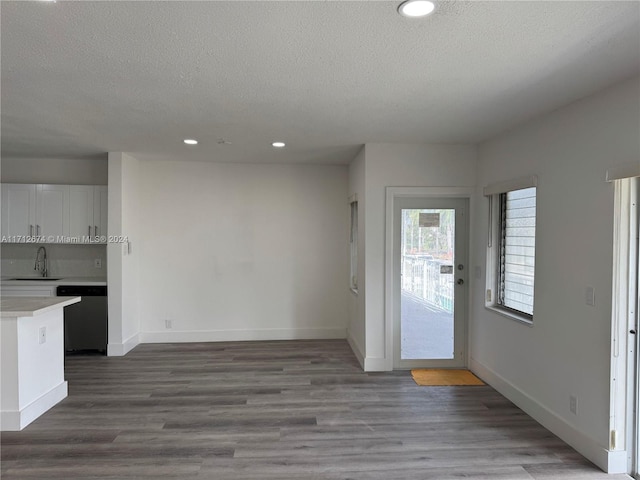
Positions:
{"x": 35, "y": 279}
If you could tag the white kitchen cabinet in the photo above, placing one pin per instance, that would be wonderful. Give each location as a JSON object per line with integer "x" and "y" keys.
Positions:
{"x": 100, "y": 200}
{"x": 81, "y": 210}
{"x": 34, "y": 210}
{"x": 88, "y": 211}
{"x": 52, "y": 211}
{"x": 18, "y": 209}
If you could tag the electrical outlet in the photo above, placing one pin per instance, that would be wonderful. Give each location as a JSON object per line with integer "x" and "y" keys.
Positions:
{"x": 167, "y": 324}
{"x": 573, "y": 404}
{"x": 42, "y": 335}
{"x": 97, "y": 263}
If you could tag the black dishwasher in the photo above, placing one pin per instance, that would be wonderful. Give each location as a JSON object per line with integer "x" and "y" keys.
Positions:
{"x": 85, "y": 323}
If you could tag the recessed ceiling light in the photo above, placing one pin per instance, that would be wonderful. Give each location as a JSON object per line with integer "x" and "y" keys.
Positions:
{"x": 278, "y": 144}
{"x": 416, "y": 8}
{"x": 190, "y": 141}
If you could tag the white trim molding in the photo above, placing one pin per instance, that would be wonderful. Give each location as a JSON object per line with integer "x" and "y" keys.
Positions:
{"x": 392, "y": 193}
{"x": 16, "y": 420}
{"x": 357, "y": 350}
{"x": 608, "y": 460}
{"x": 377, "y": 364}
{"x": 629, "y": 170}
{"x": 121, "y": 349}
{"x": 510, "y": 185}
{"x": 194, "y": 336}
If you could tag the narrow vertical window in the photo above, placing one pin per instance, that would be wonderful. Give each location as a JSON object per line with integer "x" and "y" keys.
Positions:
{"x": 353, "y": 244}
{"x": 516, "y": 259}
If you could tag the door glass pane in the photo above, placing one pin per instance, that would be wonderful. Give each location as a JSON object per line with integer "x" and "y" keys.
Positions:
{"x": 427, "y": 296}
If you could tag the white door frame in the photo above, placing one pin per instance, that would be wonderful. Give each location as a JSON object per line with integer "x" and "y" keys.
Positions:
{"x": 623, "y": 366}
{"x": 426, "y": 192}
{"x": 625, "y": 309}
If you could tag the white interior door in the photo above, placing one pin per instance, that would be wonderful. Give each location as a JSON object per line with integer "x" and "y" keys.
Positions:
{"x": 429, "y": 282}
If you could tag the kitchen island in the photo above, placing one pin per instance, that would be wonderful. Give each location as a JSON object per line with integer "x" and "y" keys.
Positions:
{"x": 31, "y": 358}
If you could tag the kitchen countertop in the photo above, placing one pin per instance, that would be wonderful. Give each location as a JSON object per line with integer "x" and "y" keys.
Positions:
{"x": 85, "y": 281}
{"x": 31, "y": 306}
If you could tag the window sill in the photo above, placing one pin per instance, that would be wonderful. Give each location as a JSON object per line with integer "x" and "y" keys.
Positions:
{"x": 511, "y": 315}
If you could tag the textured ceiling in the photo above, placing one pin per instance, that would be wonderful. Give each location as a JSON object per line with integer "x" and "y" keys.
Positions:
{"x": 83, "y": 78}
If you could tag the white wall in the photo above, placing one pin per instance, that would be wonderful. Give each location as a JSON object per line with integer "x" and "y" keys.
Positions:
{"x": 73, "y": 171}
{"x": 130, "y": 253}
{"x": 122, "y": 271}
{"x": 357, "y": 319}
{"x": 237, "y": 252}
{"x": 567, "y": 351}
{"x": 400, "y": 165}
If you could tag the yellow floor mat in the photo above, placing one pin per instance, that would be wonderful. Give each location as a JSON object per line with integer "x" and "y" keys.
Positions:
{"x": 442, "y": 377}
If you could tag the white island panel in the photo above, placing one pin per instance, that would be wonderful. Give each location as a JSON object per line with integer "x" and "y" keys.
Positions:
{"x": 32, "y": 356}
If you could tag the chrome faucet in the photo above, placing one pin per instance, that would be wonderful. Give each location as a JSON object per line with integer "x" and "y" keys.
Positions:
{"x": 41, "y": 265}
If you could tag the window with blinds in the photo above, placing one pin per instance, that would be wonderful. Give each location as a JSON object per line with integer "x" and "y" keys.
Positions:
{"x": 516, "y": 262}
{"x": 353, "y": 245}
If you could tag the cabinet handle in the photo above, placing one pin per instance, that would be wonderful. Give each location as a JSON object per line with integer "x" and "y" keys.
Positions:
{"x": 89, "y": 230}
{"x": 95, "y": 230}
{"x": 38, "y": 230}
{"x": 31, "y": 230}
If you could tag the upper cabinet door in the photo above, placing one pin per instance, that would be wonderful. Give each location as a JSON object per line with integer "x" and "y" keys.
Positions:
{"x": 81, "y": 218}
{"x": 100, "y": 199}
{"x": 52, "y": 211}
{"x": 18, "y": 210}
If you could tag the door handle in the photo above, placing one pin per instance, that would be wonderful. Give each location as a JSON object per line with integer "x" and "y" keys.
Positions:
{"x": 95, "y": 230}
{"x": 31, "y": 230}
{"x": 38, "y": 230}
{"x": 460, "y": 281}
{"x": 89, "y": 230}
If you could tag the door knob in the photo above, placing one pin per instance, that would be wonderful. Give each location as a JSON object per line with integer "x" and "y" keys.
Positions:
{"x": 460, "y": 281}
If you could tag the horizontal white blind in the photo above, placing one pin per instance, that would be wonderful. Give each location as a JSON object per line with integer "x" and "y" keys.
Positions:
{"x": 519, "y": 249}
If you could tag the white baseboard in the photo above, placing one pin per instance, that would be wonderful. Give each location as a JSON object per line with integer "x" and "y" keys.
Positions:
{"x": 376, "y": 364}
{"x": 121, "y": 349}
{"x": 357, "y": 350}
{"x": 242, "y": 335}
{"x": 609, "y": 461}
{"x": 14, "y": 421}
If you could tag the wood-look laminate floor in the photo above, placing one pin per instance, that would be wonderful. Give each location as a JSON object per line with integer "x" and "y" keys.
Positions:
{"x": 277, "y": 410}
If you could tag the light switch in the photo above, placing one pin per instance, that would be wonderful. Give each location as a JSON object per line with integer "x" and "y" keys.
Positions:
{"x": 590, "y": 296}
